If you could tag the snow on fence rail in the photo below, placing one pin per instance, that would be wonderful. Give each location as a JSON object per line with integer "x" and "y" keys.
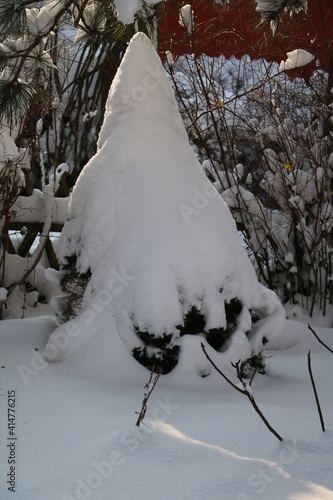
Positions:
{"x": 28, "y": 217}
{"x": 31, "y": 209}
{"x": 31, "y": 232}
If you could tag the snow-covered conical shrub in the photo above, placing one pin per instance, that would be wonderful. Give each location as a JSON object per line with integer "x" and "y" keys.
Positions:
{"x": 160, "y": 243}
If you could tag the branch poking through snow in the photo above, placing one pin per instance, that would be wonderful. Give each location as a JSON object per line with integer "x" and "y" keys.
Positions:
{"x": 243, "y": 388}
{"x": 150, "y": 386}
{"x": 319, "y": 339}
{"x": 315, "y": 393}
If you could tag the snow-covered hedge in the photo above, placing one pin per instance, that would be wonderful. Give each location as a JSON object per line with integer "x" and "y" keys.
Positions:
{"x": 269, "y": 152}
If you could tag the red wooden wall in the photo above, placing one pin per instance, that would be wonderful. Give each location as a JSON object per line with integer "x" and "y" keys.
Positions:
{"x": 237, "y": 29}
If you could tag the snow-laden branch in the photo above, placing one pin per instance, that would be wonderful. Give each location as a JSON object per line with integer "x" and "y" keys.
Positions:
{"x": 296, "y": 59}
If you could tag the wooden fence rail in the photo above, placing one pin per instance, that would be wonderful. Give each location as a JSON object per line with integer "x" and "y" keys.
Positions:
{"x": 31, "y": 232}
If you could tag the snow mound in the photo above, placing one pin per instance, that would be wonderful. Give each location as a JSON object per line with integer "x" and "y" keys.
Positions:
{"x": 157, "y": 241}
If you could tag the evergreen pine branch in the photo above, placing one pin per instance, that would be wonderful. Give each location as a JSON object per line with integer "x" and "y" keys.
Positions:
{"x": 15, "y": 94}
{"x": 273, "y": 10}
{"x": 15, "y": 97}
{"x": 39, "y": 58}
{"x": 37, "y": 39}
{"x": 13, "y": 17}
{"x": 112, "y": 28}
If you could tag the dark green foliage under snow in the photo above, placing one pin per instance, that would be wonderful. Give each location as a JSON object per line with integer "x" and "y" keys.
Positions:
{"x": 159, "y": 353}
{"x": 73, "y": 285}
{"x": 162, "y": 352}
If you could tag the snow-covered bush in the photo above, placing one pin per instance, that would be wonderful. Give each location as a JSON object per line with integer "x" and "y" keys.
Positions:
{"x": 156, "y": 241}
{"x": 263, "y": 141}
{"x": 287, "y": 210}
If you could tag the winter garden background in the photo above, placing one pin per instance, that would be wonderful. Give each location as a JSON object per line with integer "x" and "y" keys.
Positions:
{"x": 166, "y": 232}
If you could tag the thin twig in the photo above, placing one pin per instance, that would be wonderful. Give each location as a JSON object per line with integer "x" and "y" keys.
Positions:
{"x": 245, "y": 391}
{"x": 252, "y": 377}
{"x": 150, "y": 386}
{"x": 315, "y": 393}
{"x": 319, "y": 339}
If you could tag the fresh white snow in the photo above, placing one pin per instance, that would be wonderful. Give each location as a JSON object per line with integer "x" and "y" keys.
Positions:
{"x": 43, "y": 19}
{"x": 296, "y": 59}
{"x": 77, "y": 439}
{"x": 186, "y": 17}
{"x": 126, "y": 10}
{"x": 3, "y": 294}
{"x": 8, "y": 148}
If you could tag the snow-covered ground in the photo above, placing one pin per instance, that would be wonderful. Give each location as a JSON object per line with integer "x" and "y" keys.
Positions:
{"x": 68, "y": 428}
{"x": 77, "y": 439}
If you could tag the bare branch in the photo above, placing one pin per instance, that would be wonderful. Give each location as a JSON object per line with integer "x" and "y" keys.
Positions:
{"x": 246, "y": 391}
{"x": 315, "y": 393}
{"x": 150, "y": 386}
{"x": 319, "y": 339}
